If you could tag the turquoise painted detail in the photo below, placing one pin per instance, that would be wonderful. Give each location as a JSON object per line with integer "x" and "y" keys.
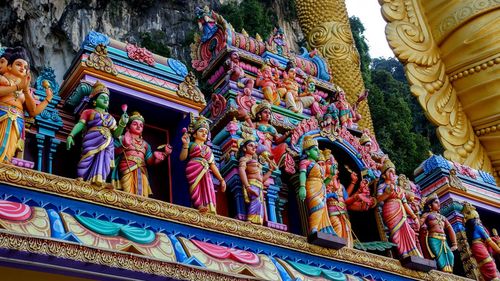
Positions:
{"x": 138, "y": 235}
{"x": 178, "y": 67}
{"x": 317, "y": 272}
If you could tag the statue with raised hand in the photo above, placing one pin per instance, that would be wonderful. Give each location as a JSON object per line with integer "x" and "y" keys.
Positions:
{"x": 133, "y": 155}
{"x": 200, "y": 166}
{"x": 97, "y": 158}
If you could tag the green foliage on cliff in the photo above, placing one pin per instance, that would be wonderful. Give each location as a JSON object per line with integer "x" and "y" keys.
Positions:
{"x": 400, "y": 125}
{"x": 155, "y": 42}
{"x": 253, "y": 15}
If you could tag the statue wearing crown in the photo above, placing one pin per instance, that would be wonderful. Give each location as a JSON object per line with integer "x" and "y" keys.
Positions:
{"x": 434, "y": 228}
{"x": 133, "y": 154}
{"x": 252, "y": 180}
{"x": 480, "y": 242}
{"x": 97, "y": 158}
{"x": 200, "y": 166}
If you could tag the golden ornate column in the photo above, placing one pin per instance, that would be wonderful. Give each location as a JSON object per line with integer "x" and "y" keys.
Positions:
{"x": 326, "y": 26}
{"x": 451, "y": 53}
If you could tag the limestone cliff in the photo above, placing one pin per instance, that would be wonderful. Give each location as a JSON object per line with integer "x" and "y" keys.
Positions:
{"x": 53, "y": 30}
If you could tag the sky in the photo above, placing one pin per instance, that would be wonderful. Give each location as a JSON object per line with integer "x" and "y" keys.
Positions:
{"x": 368, "y": 11}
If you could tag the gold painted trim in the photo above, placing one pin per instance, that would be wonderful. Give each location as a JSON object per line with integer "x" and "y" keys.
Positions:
{"x": 80, "y": 190}
{"x": 411, "y": 40}
{"x": 128, "y": 261}
{"x": 474, "y": 69}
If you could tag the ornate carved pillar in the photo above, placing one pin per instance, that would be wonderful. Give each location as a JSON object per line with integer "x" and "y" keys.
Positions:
{"x": 325, "y": 24}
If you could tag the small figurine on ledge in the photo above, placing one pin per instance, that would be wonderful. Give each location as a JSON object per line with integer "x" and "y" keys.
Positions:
{"x": 133, "y": 154}
{"x": 98, "y": 155}
{"x": 479, "y": 240}
{"x": 201, "y": 162}
{"x": 252, "y": 180}
{"x": 15, "y": 98}
{"x": 268, "y": 79}
{"x": 434, "y": 227}
{"x": 237, "y": 74}
{"x": 312, "y": 189}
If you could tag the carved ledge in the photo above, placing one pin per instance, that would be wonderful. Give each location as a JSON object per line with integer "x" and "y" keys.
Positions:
{"x": 80, "y": 190}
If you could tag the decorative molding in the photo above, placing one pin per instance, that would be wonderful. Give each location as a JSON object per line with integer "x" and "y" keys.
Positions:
{"x": 81, "y": 190}
{"x": 411, "y": 40}
{"x": 189, "y": 90}
{"x": 99, "y": 60}
{"x": 488, "y": 130}
{"x": 474, "y": 69}
{"x": 115, "y": 259}
{"x": 94, "y": 38}
{"x": 140, "y": 54}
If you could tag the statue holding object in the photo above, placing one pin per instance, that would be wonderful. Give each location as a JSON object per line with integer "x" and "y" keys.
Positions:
{"x": 97, "y": 158}
{"x": 395, "y": 210}
{"x": 271, "y": 144}
{"x": 252, "y": 179}
{"x": 434, "y": 228}
{"x": 207, "y": 22}
{"x": 312, "y": 188}
{"x": 337, "y": 199}
{"x": 15, "y": 99}
{"x": 268, "y": 79}
{"x": 237, "y": 74}
{"x": 133, "y": 154}
{"x": 479, "y": 241}
{"x": 200, "y": 165}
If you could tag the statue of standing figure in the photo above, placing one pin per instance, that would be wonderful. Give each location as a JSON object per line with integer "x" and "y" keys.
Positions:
{"x": 395, "y": 211}
{"x": 436, "y": 226}
{"x": 133, "y": 154}
{"x": 98, "y": 152}
{"x": 237, "y": 74}
{"x": 312, "y": 188}
{"x": 252, "y": 179}
{"x": 337, "y": 200}
{"x": 200, "y": 165}
{"x": 15, "y": 99}
{"x": 480, "y": 242}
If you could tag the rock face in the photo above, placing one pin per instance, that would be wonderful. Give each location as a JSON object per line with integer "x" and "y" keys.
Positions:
{"x": 53, "y": 30}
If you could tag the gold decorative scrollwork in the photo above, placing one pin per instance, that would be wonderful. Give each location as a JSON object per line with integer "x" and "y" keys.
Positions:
{"x": 48, "y": 183}
{"x": 412, "y": 42}
{"x": 189, "y": 90}
{"x": 99, "y": 60}
{"x": 326, "y": 26}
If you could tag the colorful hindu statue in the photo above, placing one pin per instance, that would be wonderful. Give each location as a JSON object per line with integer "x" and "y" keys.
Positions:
{"x": 345, "y": 110}
{"x": 479, "y": 241}
{"x": 272, "y": 146}
{"x": 237, "y": 74}
{"x": 207, "y": 20}
{"x": 133, "y": 154}
{"x": 200, "y": 166}
{"x": 337, "y": 196}
{"x": 413, "y": 198}
{"x": 291, "y": 87}
{"x": 15, "y": 99}
{"x": 373, "y": 151}
{"x": 252, "y": 180}
{"x": 312, "y": 188}
{"x": 97, "y": 158}
{"x": 361, "y": 200}
{"x": 311, "y": 99}
{"x": 276, "y": 42}
{"x": 436, "y": 226}
{"x": 395, "y": 211}
{"x": 268, "y": 79}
